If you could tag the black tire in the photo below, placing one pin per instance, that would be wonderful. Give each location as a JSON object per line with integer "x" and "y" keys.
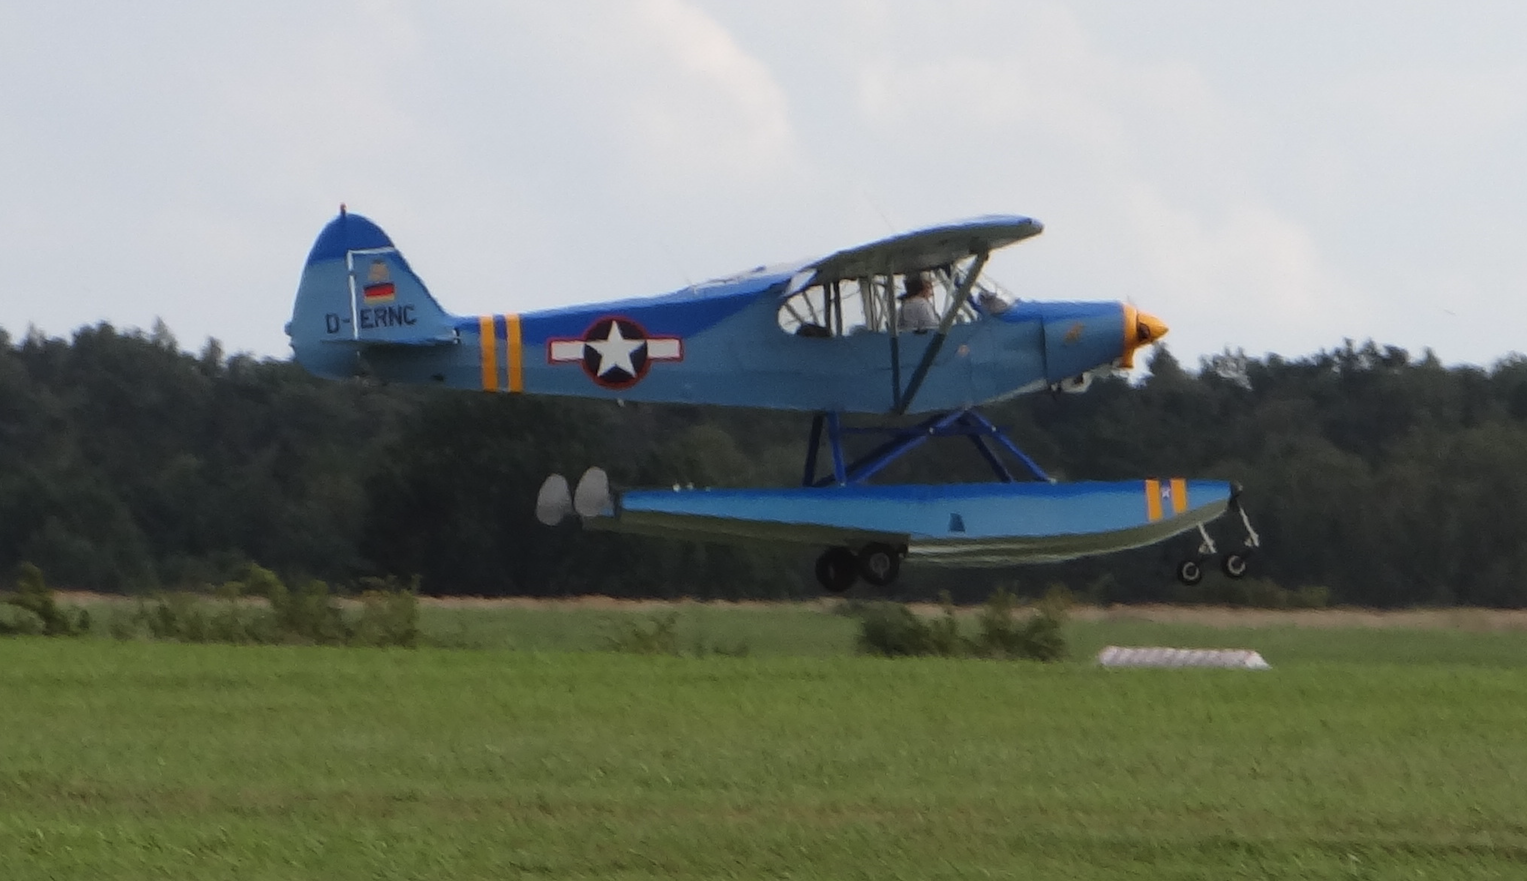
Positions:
{"x": 1189, "y": 572}
{"x": 837, "y": 569}
{"x": 1233, "y": 565}
{"x": 879, "y": 563}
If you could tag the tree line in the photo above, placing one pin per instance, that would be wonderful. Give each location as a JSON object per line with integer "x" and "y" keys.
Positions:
{"x": 130, "y": 465}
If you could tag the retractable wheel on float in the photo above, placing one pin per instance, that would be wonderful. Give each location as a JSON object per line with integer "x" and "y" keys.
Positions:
{"x": 879, "y": 563}
{"x": 837, "y": 569}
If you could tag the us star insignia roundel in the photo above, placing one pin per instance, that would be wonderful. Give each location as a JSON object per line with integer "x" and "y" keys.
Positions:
{"x": 615, "y": 352}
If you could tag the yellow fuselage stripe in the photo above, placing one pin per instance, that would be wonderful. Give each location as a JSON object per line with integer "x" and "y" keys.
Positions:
{"x": 1179, "y": 495}
{"x": 1153, "y": 500}
{"x": 487, "y": 348}
{"x": 516, "y": 354}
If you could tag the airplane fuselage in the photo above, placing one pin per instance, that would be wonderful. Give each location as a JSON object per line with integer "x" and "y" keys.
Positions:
{"x": 718, "y": 343}
{"x": 664, "y": 353}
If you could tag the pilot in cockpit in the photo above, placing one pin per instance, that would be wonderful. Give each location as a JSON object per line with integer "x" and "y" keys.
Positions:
{"x": 917, "y": 312}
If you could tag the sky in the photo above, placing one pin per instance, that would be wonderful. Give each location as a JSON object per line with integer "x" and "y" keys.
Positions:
{"x": 1273, "y": 177}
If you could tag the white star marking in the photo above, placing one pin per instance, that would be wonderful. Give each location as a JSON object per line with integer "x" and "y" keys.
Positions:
{"x": 615, "y": 351}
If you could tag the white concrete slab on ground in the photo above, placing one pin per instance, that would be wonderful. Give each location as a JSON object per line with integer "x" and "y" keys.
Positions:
{"x": 1156, "y": 656}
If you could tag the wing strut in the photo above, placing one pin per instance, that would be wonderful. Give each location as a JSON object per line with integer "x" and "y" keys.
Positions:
{"x": 903, "y": 401}
{"x": 891, "y": 322}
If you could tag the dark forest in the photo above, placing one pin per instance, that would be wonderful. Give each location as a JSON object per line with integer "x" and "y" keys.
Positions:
{"x": 1376, "y": 477}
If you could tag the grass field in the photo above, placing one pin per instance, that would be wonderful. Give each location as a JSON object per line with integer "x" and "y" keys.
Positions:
{"x": 814, "y": 630}
{"x": 1365, "y": 753}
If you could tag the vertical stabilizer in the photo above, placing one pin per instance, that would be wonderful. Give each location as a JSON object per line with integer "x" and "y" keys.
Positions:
{"x": 358, "y": 291}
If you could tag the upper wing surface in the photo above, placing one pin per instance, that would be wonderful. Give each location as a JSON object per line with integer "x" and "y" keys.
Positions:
{"x": 925, "y": 249}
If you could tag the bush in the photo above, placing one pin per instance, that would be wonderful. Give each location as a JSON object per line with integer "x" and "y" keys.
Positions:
{"x": 36, "y": 611}
{"x": 1256, "y": 593}
{"x": 1312, "y": 596}
{"x": 309, "y": 614}
{"x": 389, "y": 615}
{"x": 1103, "y": 590}
{"x": 894, "y": 630}
{"x": 16, "y": 621}
{"x": 1037, "y": 638}
{"x": 187, "y": 617}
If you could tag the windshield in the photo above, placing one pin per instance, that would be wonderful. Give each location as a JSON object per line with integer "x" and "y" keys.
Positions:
{"x": 872, "y": 305}
{"x": 991, "y": 298}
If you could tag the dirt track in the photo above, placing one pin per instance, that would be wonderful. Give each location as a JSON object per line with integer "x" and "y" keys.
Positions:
{"x": 1474, "y": 620}
{"x": 1481, "y": 620}
{"x": 1212, "y": 616}
{"x": 1478, "y": 620}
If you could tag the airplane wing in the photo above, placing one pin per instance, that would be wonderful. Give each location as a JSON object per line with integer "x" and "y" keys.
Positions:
{"x": 922, "y": 249}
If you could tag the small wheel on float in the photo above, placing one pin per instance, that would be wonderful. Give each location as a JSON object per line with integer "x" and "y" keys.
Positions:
{"x": 1233, "y": 565}
{"x": 879, "y": 563}
{"x": 837, "y": 569}
{"x": 1189, "y": 572}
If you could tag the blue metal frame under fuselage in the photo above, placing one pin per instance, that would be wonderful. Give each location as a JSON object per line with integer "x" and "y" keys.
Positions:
{"x": 903, "y": 439}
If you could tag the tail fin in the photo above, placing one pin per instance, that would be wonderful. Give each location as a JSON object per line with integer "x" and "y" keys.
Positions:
{"x": 358, "y": 291}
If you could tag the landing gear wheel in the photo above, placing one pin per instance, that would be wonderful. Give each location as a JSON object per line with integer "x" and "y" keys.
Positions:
{"x": 837, "y": 569}
{"x": 1233, "y": 565}
{"x": 879, "y": 563}
{"x": 1189, "y": 572}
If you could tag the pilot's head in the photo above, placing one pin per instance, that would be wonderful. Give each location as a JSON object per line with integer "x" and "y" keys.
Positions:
{"x": 917, "y": 285}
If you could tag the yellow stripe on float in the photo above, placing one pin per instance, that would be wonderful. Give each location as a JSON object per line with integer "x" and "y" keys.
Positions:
{"x": 1179, "y": 495}
{"x": 1153, "y": 500}
{"x": 487, "y": 348}
{"x": 516, "y": 355}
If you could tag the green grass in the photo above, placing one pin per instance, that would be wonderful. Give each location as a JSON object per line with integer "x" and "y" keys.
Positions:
{"x": 138, "y": 760}
{"x": 796, "y": 630}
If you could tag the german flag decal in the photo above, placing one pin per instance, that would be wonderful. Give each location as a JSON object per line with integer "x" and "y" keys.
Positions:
{"x": 378, "y": 287}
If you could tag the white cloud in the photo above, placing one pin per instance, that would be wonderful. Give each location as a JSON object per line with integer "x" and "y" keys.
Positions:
{"x": 1208, "y": 161}
{"x": 1247, "y": 270}
{"x": 712, "y": 105}
{"x": 1466, "y": 103}
{"x": 664, "y": 83}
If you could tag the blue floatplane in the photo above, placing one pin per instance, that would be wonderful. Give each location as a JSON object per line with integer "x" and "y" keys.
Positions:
{"x": 906, "y": 326}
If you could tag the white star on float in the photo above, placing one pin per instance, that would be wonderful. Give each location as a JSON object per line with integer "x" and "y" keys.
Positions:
{"x": 615, "y": 351}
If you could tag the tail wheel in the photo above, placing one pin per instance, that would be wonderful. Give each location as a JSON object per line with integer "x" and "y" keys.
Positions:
{"x": 1233, "y": 565}
{"x": 1189, "y": 572}
{"x": 837, "y": 569}
{"x": 879, "y": 563}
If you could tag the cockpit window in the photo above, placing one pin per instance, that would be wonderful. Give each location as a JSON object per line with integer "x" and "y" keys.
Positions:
{"x": 872, "y": 305}
{"x": 991, "y": 298}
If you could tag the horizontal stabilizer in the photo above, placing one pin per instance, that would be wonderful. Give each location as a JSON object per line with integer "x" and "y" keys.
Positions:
{"x": 450, "y": 340}
{"x": 554, "y": 503}
{"x": 592, "y": 497}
